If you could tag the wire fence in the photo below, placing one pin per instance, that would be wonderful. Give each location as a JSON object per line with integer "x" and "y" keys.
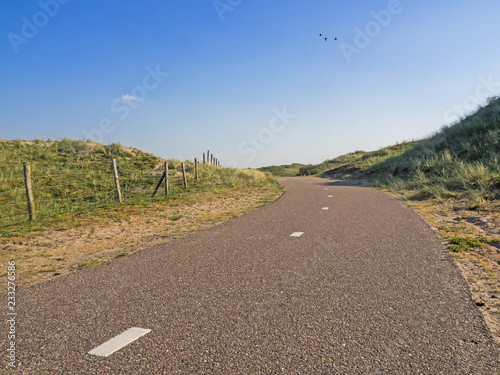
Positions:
{"x": 67, "y": 187}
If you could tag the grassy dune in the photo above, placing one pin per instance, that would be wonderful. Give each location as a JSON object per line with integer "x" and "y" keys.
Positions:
{"x": 68, "y": 175}
{"x": 71, "y": 176}
{"x": 460, "y": 160}
{"x": 283, "y": 170}
{"x": 79, "y": 223}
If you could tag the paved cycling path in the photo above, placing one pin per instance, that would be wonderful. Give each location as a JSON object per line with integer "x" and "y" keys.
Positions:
{"x": 367, "y": 288}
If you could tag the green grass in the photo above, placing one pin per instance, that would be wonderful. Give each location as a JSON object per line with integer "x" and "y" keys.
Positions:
{"x": 458, "y": 244}
{"x": 283, "y": 170}
{"x": 70, "y": 176}
{"x": 461, "y": 160}
{"x": 341, "y": 167}
{"x": 83, "y": 265}
{"x": 358, "y": 162}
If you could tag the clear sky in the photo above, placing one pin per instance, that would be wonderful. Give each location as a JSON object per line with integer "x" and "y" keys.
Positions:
{"x": 251, "y": 80}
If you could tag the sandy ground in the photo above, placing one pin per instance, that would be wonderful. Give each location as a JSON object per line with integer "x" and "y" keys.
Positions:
{"x": 42, "y": 256}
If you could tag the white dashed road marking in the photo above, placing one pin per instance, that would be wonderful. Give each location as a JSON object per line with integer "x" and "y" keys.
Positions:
{"x": 118, "y": 342}
{"x": 325, "y": 208}
{"x": 330, "y": 196}
{"x": 296, "y": 234}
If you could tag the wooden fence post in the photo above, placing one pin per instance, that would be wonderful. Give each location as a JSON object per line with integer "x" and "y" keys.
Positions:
{"x": 166, "y": 178}
{"x": 203, "y": 159}
{"x": 164, "y": 175}
{"x": 196, "y": 169}
{"x": 184, "y": 176}
{"x": 29, "y": 191}
{"x": 117, "y": 182}
{"x": 208, "y": 157}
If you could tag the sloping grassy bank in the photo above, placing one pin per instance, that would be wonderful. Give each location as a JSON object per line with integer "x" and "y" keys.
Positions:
{"x": 69, "y": 175}
{"x": 462, "y": 160}
{"x": 291, "y": 170}
{"x": 64, "y": 241}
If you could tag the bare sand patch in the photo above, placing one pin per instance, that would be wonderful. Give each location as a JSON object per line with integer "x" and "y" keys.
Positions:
{"x": 43, "y": 255}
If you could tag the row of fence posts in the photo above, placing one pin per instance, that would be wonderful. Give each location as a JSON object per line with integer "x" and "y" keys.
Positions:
{"x": 208, "y": 159}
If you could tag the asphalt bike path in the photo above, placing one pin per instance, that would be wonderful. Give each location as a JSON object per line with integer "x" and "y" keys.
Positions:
{"x": 363, "y": 287}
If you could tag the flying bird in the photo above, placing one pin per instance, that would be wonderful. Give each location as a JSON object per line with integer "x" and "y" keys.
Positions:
{"x": 326, "y": 38}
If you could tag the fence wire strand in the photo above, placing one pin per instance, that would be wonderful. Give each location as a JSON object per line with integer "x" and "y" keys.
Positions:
{"x": 48, "y": 180}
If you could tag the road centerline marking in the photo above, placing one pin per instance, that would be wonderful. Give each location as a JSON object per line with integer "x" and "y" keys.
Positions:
{"x": 326, "y": 208}
{"x": 330, "y": 196}
{"x": 118, "y": 342}
{"x": 296, "y": 234}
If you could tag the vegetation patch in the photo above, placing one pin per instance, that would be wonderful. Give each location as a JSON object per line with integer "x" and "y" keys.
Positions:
{"x": 92, "y": 263}
{"x": 457, "y": 244}
{"x": 290, "y": 170}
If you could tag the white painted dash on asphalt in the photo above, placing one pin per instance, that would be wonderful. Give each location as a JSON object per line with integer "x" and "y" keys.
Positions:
{"x": 330, "y": 196}
{"x": 118, "y": 342}
{"x": 296, "y": 234}
{"x": 326, "y": 188}
{"x": 325, "y": 208}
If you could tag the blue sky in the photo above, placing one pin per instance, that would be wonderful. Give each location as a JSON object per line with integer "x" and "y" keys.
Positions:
{"x": 250, "y": 80}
